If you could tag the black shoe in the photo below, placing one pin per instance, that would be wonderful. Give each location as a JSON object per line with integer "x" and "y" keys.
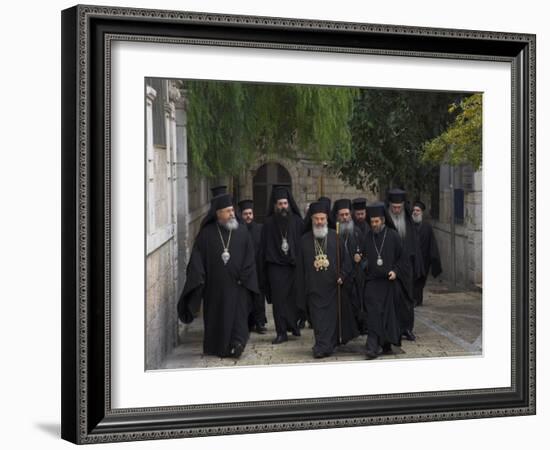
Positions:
{"x": 280, "y": 339}
{"x": 409, "y": 336}
{"x": 371, "y": 355}
{"x": 296, "y": 332}
{"x": 387, "y": 350}
{"x": 260, "y": 329}
{"x": 318, "y": 354}
{"x": 301, "y": 323}
{"x": 236, "y": 350}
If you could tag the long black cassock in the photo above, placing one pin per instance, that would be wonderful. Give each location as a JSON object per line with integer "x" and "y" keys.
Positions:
{"x": 382, "y": 296}
{"x": 224, "y": 289}
{"x": 354, "y": 279}
{"x": 319, "y": 290}
{"x": 279, "y": 269}
{"x": 412, "y": 254}
{"x": 257, "y": 306}
{"x": 430, "y": 258}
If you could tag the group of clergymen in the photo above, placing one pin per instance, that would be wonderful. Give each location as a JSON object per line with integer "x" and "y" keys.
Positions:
{"x": 353, "y": 269}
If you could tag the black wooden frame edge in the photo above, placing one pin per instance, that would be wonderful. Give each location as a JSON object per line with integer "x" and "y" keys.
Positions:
{"x": 69, "y": 333}
{"x": 130, "y": 425}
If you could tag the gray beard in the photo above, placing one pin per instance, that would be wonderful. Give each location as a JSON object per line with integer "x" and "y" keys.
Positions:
{"x": 320, "y": 232}
{"x": 231, "y": 224}
{"x": 347, "y": 227}
{"x": 417, "y": 219}
{"x": 399, "y": 222}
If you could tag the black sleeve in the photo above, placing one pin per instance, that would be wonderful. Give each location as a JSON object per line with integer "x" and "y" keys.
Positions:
{"x": 191, "y": 296}
{"x": 261, "y": 265}
{"x": 247, "y": 272}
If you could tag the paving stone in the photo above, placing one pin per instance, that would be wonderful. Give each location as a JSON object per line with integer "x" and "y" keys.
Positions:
{"x": 449, "y": 324}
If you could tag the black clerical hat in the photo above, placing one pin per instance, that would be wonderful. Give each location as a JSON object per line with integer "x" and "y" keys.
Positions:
{"x": 343, "y": 203}
{"x": 318, "y": 207}
{"x": 420, "y": 204}
{"x": 218, "y": 190}
{"x": 221, "y": 201}
{"x": 376, "y": 210}
{"x": 280, "y": 192}
{"x": 246, "y": 204}
{"x": 325, "y": 200}
{"x": 396, "y": 195}
{"x": 359, "y": 203}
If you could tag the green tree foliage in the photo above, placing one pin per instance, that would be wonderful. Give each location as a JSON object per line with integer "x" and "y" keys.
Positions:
{"x": 460, "y": 143}
{"x": 230, "y": 124}
{"x": 388, "y": 129}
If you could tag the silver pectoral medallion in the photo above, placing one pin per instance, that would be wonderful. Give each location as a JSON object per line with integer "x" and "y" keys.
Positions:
{"x": 284, "y": 246}
{"x": 225, "y": 256}
{"x": 379, "y": 261}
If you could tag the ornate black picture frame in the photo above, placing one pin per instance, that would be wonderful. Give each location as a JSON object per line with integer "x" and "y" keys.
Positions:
{"x": 87, "y": 414}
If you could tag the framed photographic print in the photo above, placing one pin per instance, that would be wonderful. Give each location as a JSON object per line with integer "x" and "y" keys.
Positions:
{"x": 281, "y": 224}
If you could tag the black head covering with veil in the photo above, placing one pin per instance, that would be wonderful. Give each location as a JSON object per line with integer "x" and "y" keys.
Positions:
{"x": 278, "y": 193}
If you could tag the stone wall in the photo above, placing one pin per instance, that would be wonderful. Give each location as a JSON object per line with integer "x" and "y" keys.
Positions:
{"x": 161, "y": 263}
{"x": 462, "y": 250}
{"x": 161, "y": 322}
{"x": 310, "y": 180}
{"x": 468, "y": 271}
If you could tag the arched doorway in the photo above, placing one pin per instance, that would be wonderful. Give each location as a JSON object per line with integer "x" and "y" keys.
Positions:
{"x": 266, "y": 176}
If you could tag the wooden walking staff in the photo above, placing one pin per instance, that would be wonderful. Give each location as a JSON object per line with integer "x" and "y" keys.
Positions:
{"x": 338, "y": 284}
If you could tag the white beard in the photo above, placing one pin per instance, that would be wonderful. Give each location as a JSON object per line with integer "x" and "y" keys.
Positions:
{"x": 399, "y": 222}
{"x": 417, "y": 218}
{"x": 231, "y": 224}
{"x": 320, "y": 232}
{"x": 347, "y": 227}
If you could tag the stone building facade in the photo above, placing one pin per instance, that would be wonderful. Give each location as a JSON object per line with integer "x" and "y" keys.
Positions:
{"x": 460, "y": 240}
{"x": 307, "y": 179}
{"x": 161, "y": 242}
{"x": 175, "y": 202}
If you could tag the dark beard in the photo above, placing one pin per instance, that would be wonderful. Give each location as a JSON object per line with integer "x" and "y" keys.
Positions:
{"x": 285, "y": 212}
{"x": 282, "y": 219}
{"x": 282, "y": 215}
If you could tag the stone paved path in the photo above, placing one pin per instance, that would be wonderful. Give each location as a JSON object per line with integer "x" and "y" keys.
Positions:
{"x": 448, "y": 324}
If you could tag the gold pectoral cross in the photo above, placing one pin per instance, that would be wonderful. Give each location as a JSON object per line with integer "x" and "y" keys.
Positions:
{"x": 321, "y": 262}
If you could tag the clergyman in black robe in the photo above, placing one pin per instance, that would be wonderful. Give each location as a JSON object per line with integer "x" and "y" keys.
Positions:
{"x": 386, "y": 275}
{"x": 257, "y": 318}
{"x": 279, "y": 252}
{"x": 359, "y": 213}
{"x": 428, "y": 250}
{"x": 401, "y": 218}
{"x": 318, "y": 283}
{"x": 222, "y": 273}
{"x": 351, "y": 242}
